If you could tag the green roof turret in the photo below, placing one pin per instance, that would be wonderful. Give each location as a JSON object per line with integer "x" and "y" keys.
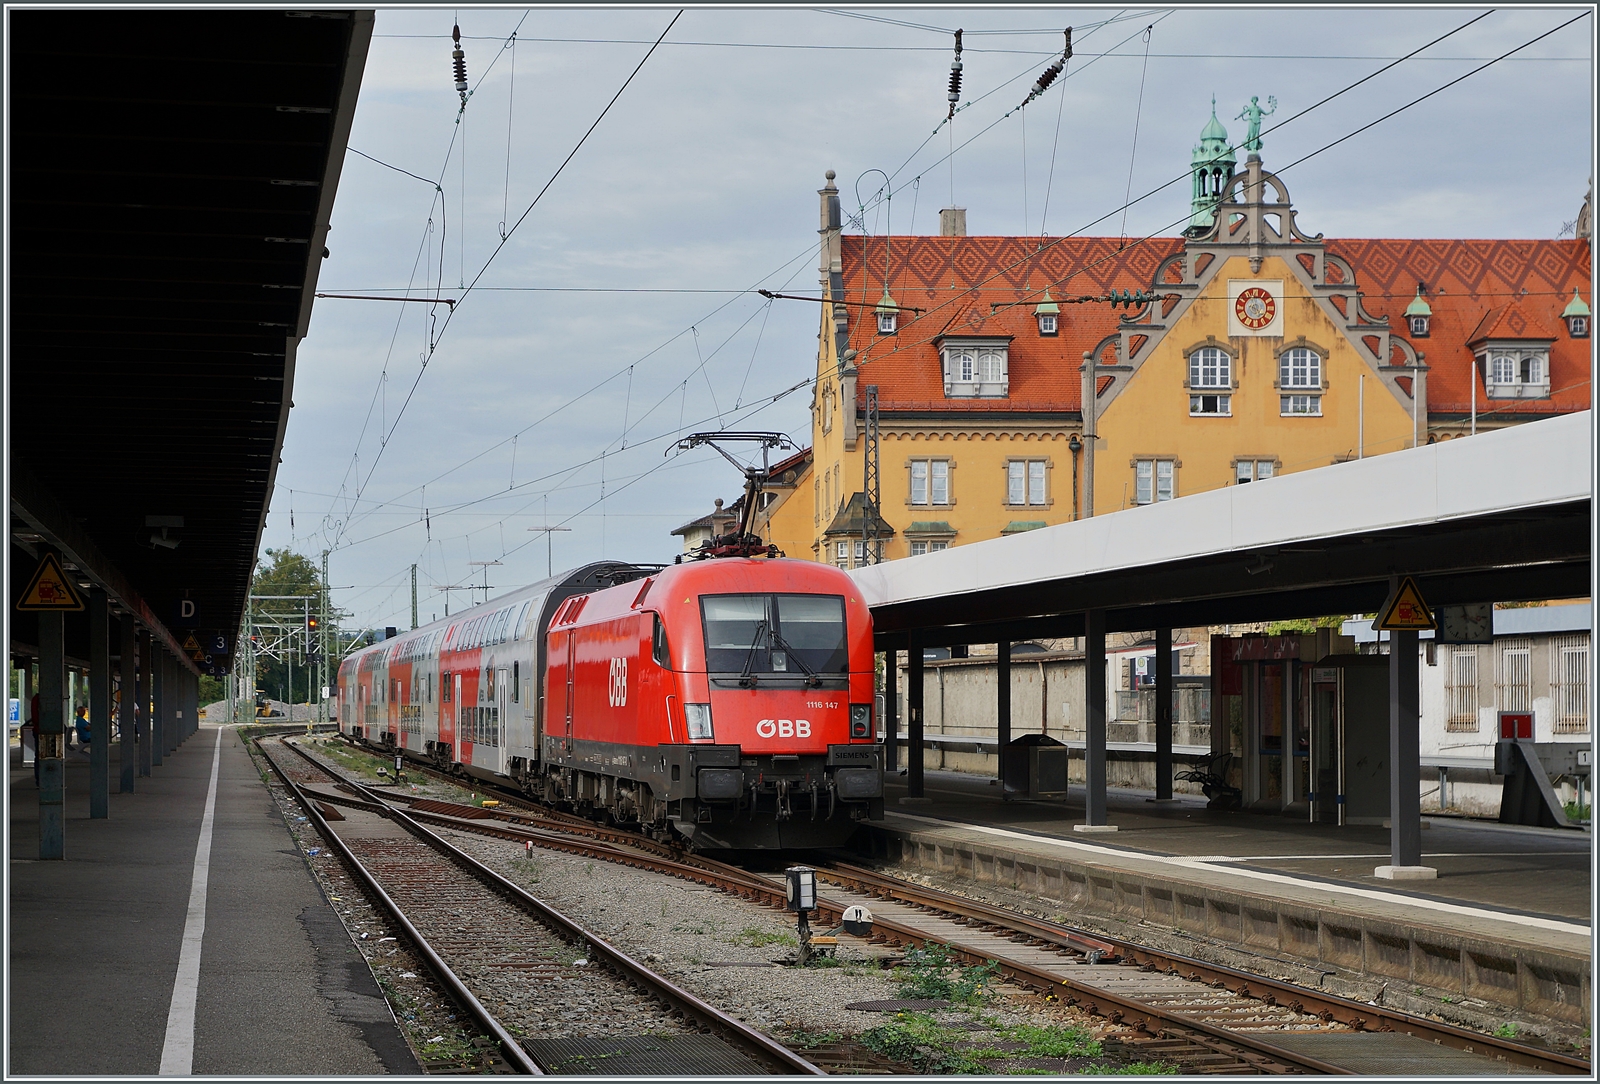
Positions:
{"x": 1418, "y": 306}
{"x": 1576, "y": 307}
{"x": 1047, "y": 305}
{"x": 1211, "y": 164}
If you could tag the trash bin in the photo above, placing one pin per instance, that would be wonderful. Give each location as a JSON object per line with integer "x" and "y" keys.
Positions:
{"x": 1036, "y": 767}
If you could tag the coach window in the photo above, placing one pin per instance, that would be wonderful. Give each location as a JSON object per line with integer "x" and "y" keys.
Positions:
{"x": 516, "y": 682}
{"x": 445, "y": 686}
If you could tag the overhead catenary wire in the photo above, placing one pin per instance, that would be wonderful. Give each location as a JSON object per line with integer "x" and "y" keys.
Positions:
{"x": 1150, "y": 236}
{"x": 1288, "y": 120}
{"x": 467, "y": 289}
{"x": 809, "y": 250}
{"x": 1138, "y": 113}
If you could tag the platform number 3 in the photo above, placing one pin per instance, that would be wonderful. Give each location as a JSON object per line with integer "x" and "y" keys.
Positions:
{"x": 619, "y": 683}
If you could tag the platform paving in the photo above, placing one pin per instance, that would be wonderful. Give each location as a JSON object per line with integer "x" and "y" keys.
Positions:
{"x": 95, "y": 940}
{"x": 1507, "y": 923}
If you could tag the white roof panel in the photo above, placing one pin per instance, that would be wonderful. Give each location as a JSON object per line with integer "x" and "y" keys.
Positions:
{"x": 1523, "y": 466}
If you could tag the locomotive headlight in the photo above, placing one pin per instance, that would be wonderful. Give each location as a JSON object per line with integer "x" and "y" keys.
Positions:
{"x": 860, "y": 720}
{"x": 698, "y": 717}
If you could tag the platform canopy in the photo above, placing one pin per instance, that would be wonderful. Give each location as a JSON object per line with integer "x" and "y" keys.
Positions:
{"x": 172, "y": 178}
{"x": 1498, "y": 517}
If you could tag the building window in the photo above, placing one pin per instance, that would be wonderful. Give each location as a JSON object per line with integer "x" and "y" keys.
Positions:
{"x": 1569, "y": 656}
{"x": 1513, "y": 689}
{"x": 1419, "y": 327}
{"x": 886, "y": 323}
{"x": 1461, "y": 690}
{"x": 1521, "y": 374}
{"x": 1210, "y": 368}
{"x": 1025, "y": 482}
{"x": 1047, "y": 325}
{"x": 1578, "y": 327}
{"x": 1300, "y": 368}
{"x": 861, "y": 552}
{"x": 1220, "y": 405}
{"x": 919, "y": 548}
{"x": 1309, "y": 406}
{"x": 930, "y": 481}
{"x": 842, "y": 554}
{"x": 1252, "y": 470}
{"x": 975, "y": 370}
{"x": 1152, "y": 480}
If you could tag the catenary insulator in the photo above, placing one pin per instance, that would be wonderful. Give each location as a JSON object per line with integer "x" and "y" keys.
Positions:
{"x": 460, "y": 62}
{"x": 955, "y": 78}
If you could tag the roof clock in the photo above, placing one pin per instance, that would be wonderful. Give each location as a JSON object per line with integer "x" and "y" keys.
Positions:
{"x": 1418, "y": 313}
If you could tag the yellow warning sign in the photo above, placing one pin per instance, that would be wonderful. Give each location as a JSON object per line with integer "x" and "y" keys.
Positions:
{"x": 49, "y": 588}
{"x": 1404, "y": 610}
{"x": 190, "y": 643}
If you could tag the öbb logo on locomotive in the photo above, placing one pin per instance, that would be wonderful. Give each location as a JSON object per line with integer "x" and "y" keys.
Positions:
{"x": 728, "y": 701}
{"x": 618, "y": 691}
{"x": 784, "y": 728}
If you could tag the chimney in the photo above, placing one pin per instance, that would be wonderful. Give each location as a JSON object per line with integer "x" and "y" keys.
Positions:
{"x": 721, "y": 522}
{"x": 953, "y": 222}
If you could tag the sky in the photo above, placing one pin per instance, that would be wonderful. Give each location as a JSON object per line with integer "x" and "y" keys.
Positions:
{"x": 611, "y": 309}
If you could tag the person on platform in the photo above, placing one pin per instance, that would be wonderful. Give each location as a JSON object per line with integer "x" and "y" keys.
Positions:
{"x": 82, "y": 723}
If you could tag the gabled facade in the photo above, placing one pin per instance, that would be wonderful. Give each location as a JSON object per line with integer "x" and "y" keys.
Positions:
{"x": 1011, "y": 395}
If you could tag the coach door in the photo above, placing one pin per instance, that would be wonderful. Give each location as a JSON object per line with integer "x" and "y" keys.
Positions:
{"x": 572, "y": 667}
{"x": 502, "y": 713}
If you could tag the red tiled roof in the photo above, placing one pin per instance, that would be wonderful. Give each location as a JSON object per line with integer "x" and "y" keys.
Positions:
{"x": 1480, "y": 289}
{"x": 956, "y": 280}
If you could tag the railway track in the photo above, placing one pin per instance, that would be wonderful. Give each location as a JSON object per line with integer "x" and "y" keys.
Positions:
{"x": 1206, "y": 1017}
{"x": 1270, "y": 1004}
{"x": 553, "y": 996}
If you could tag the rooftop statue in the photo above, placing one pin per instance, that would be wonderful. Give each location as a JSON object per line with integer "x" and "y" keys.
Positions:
{"x": 1253, "y": 113}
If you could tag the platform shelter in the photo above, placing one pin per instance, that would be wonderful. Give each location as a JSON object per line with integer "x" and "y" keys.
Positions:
{"x": 1500, "y": 517}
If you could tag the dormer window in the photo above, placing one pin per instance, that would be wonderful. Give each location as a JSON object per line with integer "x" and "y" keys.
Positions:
{"x": 888, "y": 314}
{"x": 1047, "y": 312}
{"x": 976, "y": 368}
{"x": 1576, "y": 314}
{"x": 1515, "y": 371}
{"x": 1418, "y": 314}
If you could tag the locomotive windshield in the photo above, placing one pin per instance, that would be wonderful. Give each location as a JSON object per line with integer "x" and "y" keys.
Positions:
{"x": 775, "y": 634}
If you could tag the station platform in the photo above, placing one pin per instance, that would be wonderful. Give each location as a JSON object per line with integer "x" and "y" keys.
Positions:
{"x": 1504, "y": 931}
{"x": 97, "y": 941}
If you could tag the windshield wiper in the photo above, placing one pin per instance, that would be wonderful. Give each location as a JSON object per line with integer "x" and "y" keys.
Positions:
{"x": 747, "y": 677}
{"x": 811, "y": 675}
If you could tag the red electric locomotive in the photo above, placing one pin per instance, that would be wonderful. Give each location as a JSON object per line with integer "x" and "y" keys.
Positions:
{"x": 729, "y": 700}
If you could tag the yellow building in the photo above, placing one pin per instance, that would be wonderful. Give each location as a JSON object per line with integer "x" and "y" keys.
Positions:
{"x": 957, "y": 368}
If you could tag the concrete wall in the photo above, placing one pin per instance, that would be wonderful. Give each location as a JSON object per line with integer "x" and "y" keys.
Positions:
{"x": 960, "y": 699}
{"x": 1438, "y": 961}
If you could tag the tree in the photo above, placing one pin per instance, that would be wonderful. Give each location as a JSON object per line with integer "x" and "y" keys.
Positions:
{"x": 286, "y": 573}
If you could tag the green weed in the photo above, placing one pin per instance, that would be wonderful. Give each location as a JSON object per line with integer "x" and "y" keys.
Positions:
{"x": 806, "y": 1039}
{"x": 1137, "y": 1068}
{"x": 755, "y": 938}
{"x": 932, "y": 972}
{"x": 1508, "y": 1030}
{"x": 1576, "y": 812}
{"x": 921, "y": 1041}
{"x": 1053, "y": 1041}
